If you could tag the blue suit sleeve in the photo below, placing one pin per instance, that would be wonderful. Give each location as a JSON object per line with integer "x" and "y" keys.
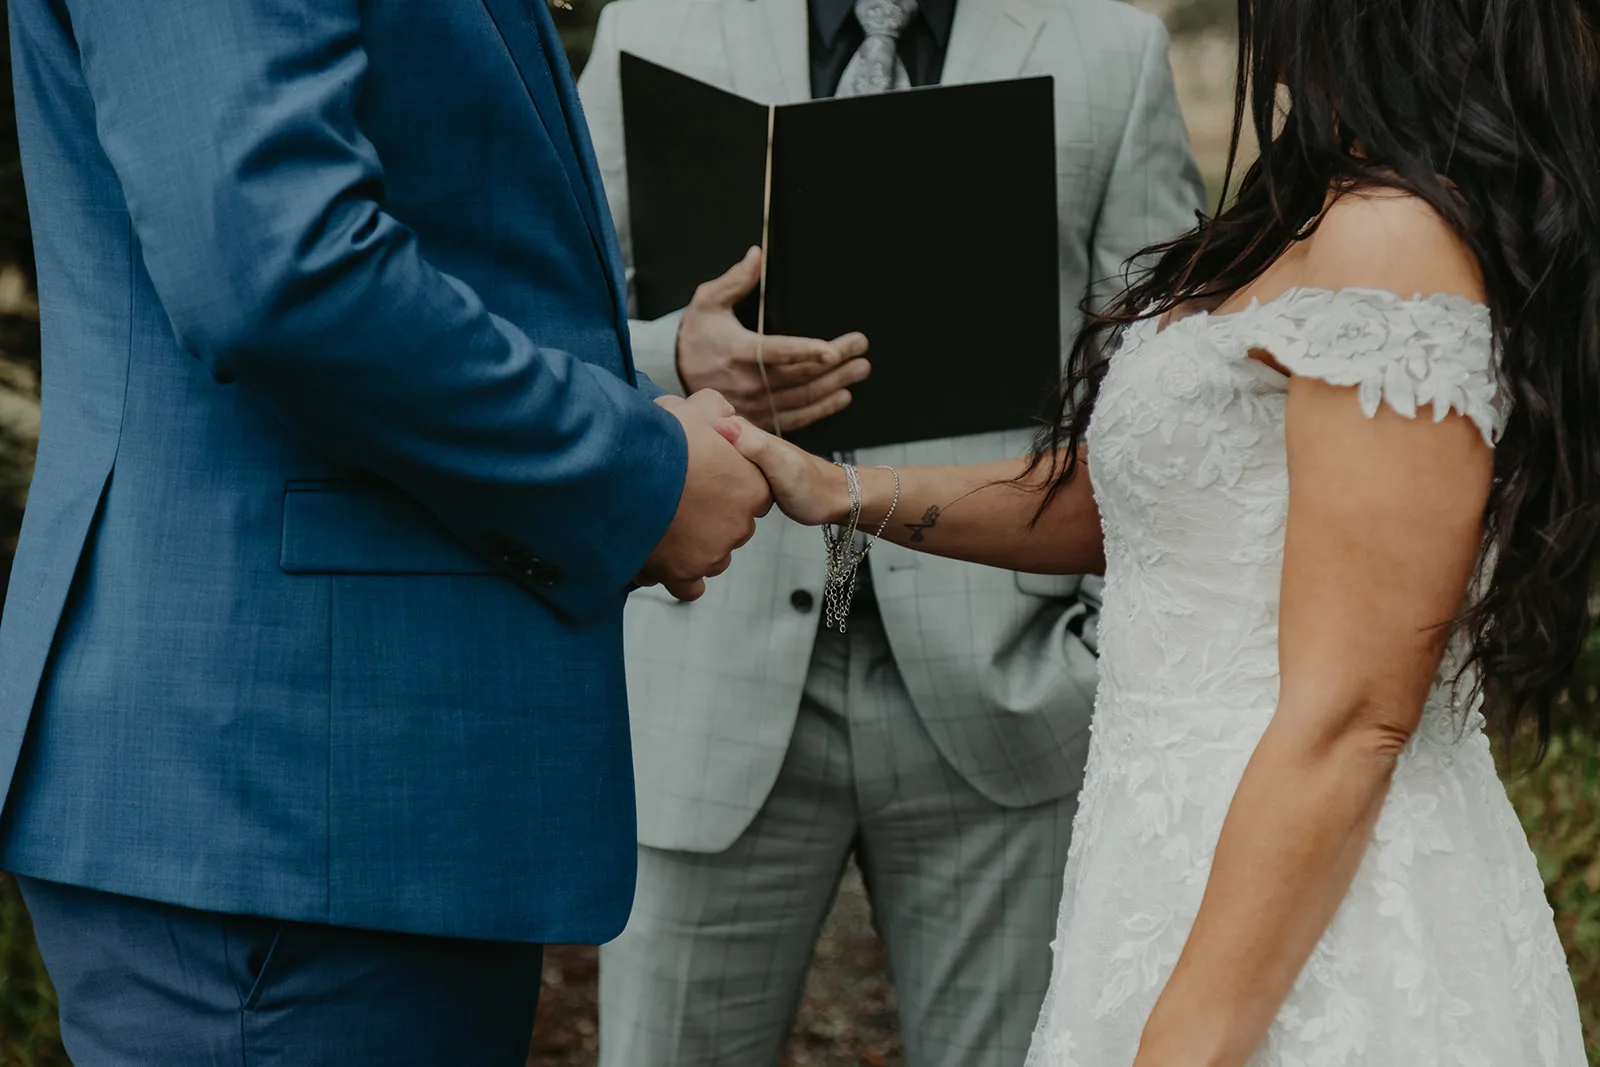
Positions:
{"x": 257, "y": 205}
{"x": 647, "y": 385}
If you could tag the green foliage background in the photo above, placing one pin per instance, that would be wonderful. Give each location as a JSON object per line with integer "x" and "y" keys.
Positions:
{"x": 1559, "y": 802}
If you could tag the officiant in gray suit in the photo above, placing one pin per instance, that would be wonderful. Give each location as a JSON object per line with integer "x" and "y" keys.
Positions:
{"x": 942, "y": 739}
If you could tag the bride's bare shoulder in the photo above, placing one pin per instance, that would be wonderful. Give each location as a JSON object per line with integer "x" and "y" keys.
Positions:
{"x": 1387, "y": 239}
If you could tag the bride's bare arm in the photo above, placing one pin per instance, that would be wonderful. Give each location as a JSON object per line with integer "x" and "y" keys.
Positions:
{"x": 1384, "y": 530}
{"x": 982, "y": 513}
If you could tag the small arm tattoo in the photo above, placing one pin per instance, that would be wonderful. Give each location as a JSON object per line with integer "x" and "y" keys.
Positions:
{"x": 930, "y": 519}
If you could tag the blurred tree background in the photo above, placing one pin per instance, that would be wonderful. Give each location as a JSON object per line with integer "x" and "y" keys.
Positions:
{"x": 847, "y": 1017}
{"x": 28, "y": 1034}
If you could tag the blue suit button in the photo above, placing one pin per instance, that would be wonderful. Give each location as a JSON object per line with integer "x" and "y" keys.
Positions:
{"x": 542, "y": 574}
{"x": 505, "y": 552}
{"x": 516, "y": 558}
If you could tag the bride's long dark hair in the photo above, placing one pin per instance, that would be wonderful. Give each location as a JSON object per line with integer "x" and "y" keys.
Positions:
{"x": 1487, "y": 110}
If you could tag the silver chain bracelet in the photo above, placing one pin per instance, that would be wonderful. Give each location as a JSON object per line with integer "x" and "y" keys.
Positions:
{"x": 844, "y": 558}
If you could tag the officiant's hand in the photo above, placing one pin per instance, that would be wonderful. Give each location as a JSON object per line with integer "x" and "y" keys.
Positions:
{"x": 810, "y": 378}
{"x": 723, "y": 495}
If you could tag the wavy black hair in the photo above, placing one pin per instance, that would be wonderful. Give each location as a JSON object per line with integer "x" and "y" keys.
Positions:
{"x": 1487, "y": 110}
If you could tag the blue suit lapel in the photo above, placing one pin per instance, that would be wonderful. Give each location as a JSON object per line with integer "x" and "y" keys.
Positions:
{"x": 530, "y": 35}
{"x": 598, "y": 204}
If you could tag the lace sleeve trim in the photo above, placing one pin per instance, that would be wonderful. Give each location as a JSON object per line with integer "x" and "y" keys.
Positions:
{"x": 1407, "y": 352}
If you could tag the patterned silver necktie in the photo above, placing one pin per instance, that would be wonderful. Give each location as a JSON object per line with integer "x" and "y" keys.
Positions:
{"x": 876, "y": 66}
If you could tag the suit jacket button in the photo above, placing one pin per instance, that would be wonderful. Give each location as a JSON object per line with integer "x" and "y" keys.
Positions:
{"x": 542, "y": 574}
{"x": 801, "y": 601}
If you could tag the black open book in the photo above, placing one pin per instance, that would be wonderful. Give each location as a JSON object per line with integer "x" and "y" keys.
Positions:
{"x": 926, "y": 219}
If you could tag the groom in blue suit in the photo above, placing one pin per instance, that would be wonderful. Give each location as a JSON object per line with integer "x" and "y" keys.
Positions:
{"x": 312, "y": 715}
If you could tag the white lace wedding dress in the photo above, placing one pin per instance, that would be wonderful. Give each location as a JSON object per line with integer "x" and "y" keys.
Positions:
{"x": 1444, "y": 953}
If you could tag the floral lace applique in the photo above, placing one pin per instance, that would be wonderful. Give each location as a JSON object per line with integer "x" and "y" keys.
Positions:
{"x": 1444, "y": 952}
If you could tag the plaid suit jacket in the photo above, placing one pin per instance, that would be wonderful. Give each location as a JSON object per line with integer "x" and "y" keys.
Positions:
{"x": 994, "y": 661}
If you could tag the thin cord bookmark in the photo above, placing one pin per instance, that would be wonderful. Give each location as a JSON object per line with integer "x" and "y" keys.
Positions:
{"x": 761, "y": 302}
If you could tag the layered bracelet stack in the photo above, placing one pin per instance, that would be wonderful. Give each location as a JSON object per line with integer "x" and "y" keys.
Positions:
{"x": 844, "y": 556}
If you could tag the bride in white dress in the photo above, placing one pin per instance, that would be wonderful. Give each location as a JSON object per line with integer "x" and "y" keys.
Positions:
{"x": 1324, "y": 414}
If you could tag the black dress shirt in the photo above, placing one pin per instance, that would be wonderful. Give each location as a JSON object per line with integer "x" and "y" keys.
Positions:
{"x": 835, "y": 36}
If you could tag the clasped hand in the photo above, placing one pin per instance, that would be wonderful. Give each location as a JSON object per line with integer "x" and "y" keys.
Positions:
{"x": 731, "y": 370}
{"x": 736, "y": 472}
{"x": 807, "y": 488}
{"x": 723, "y": 496}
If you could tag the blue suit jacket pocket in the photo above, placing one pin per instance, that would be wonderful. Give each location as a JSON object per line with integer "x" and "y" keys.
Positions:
{"x": 353, "y": 528}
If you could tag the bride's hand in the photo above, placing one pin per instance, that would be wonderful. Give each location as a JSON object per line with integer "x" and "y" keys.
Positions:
{"x": 807, "y": 488}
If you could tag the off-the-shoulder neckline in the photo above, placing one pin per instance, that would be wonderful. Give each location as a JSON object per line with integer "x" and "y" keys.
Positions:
{"x": 1452, "y": 301}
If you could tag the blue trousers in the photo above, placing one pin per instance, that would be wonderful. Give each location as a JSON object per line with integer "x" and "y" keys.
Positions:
{"x": 142, "y": 984}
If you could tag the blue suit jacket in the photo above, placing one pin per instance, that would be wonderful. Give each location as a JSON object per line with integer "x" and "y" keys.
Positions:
{"x": 344, "y": 470}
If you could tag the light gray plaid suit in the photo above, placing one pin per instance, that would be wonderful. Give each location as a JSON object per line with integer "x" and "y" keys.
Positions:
{"x": 973, "y": 695}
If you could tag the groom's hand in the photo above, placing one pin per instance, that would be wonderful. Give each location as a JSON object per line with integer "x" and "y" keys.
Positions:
{"x": 723, "y": 495}
{"x": 810, "y": 378}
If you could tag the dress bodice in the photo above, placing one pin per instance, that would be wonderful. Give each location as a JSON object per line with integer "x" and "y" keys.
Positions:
{"x": 1188, "y": 459}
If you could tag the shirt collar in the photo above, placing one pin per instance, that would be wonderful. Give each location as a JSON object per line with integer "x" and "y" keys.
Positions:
{"x": 828, "y": 18}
